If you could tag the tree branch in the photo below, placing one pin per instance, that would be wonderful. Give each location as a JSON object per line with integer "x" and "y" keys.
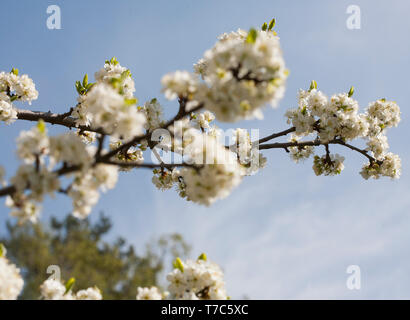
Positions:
{"x": 276, "y": 135}
{"x": 316, "y": 142}
{"x": 69, "y": 122}
{"x": 55, "y": 118}
{"x": 151, "y": 165}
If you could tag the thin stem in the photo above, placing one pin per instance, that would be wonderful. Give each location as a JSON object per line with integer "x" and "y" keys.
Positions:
{"x": 150, "y": 165}
{"x": 55, "y": 118}
{"x": 316, "y": 143}
{"x": 276, "y": 135}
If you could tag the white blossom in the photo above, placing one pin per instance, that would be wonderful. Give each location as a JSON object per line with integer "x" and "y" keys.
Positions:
{"x": 23, "y": 209}
{"x": 390, "y": 166}
{"x": 84, "y": 190}
{"x": 152, "y": 293}
{"x": 33, "y": 143}
{"x": 199, "y": 279}
{"x": 180, "y": 84}
{"x": 242, "y": 76}
{"x": 11, "y": 282}
{"x": 113, "y": 70}
{"x": 21, "y": 88}
{"x": 7, "y": 112}
{"x": 378, "y": 145}
{"x": 40, "y": 180}
{"x": 69, "y": 148}
{"x": 329, "y": 166}
{"x": 220, "y": 171}
{"x": 52, "y": 290}
{"x": 384, "y": 114}
{"x": 154, "y": 114}
{"x": 89, "y": 294}
{"x": 298, "y": 153}
{"x": 104, "y": 107}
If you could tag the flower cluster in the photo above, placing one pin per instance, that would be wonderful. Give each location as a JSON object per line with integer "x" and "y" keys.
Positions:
{"x": 338, "y": 119}
{"x": 389, "y": 167}
{"x": 54, "y": 290}
{"x": 217, "y": 172}
{"x": 41, "y": 154}
{"x": 215, "y": 168}
{"x": 248, "y": 156}
{"x": 197, "y": 279}
{"x": 242, "y": 72}
{"x": 153, "y": 113}
{"x": 109, "y": 103}
{"x": 190, "y": 280}
{"x": 299, "y": 153}
{"x": 329, "y": 165}
{"x": 11, "y": 282}
{"x": 152, "y": 293}
{"x": 84, "y": 190}
{"x": 14, "y": 88}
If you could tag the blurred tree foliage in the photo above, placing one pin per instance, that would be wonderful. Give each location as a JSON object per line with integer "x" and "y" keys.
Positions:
{"x": 78, "y": 248}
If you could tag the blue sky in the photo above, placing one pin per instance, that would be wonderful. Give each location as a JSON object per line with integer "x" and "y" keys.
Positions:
{"x": 284, "y": 233}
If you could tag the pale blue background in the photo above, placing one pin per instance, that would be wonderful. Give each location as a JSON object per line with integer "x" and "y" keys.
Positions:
{"x": 283, "y": 233}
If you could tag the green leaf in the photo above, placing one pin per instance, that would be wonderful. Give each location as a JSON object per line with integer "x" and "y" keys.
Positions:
{"x": 78, "y": 87}
{"x": 252, "y": 34}
{"x": 272, "y": 24}
{"x": 15, "y": 71}
{"x": 125, "y": 74}
{"x": 178, "y": 264}
{"x": 130, "y": 102}
{"x": 264, "y": 26}
{"x": 41, "y": 126}
{"x": 202, "y": 257}
{"x": 13, "y": 98}
{"x": 85, "y": 81}
{"x": 313, "y": 85}
{"x": 114, "y": 61}
{"x": 89, "y": 86}
{"x": 351, "y": 91}
{"x": 69, "y": 285}
{"x": 2, "y": 250}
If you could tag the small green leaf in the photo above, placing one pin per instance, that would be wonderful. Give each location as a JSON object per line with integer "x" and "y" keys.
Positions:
{"x": 69, "y": 285}
{"x": 125, "y": 74}
{"x": 264, "y": 26}
{"x": 272, "y": 24}
{"x": 202, "y": 257}
{"x": 351, "y": 91}
{"x": 41, "y": 126}
{"x": 13, "y": 98}
{"x": 15, "y": 71}
{"x": 85, "y": 81}
{"x": 114, "y": 61}
{"x": 78, "y": 87}
{"x": 178, "y": 264}
{"x": 3, "y": 250}
{"x": 154, "y": 100}
{"x": 313, "y": 85}
{"x": 252, "y": 34}
{"x": 130, "y": 102}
